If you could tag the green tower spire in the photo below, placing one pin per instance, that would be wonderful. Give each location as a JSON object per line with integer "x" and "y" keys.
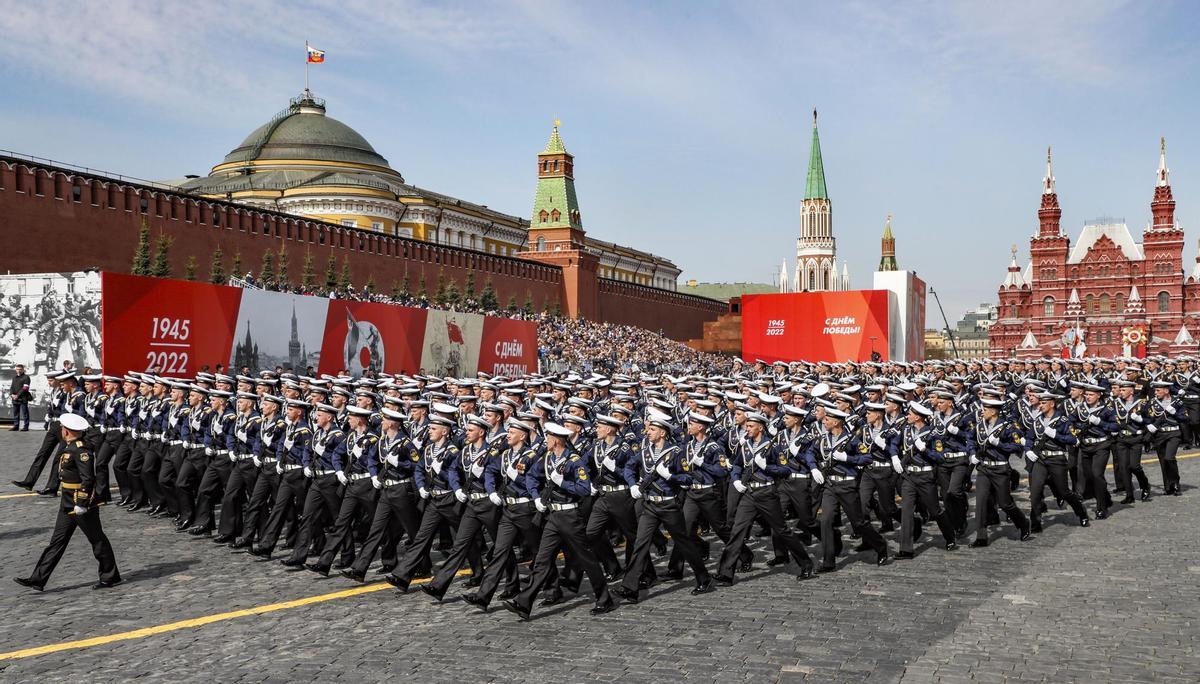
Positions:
{"x": 554, "y": 203}
{"x": 815, "y": 188}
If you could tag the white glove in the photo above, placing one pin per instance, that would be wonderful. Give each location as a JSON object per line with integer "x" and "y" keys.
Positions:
{"x": 342, "y": 477}
{"x": 257, "y": 461}
{"x": 376, "y": 482}
{"x": 208, "y": 451}
{"x": 423, "y": 492}
{"x": 737, "y": 484}
{"x": 1152, "y": 428}
{"x": 697, "y": 460}
{"x": 289, "y": 443}
{"x": 512, "y": 473}
{"x": 1094, "y": 420}
{"x": 437, "y": 466}
{"x": 610, "y": 463}
{"x": 541, "y": 507}
{"x": 1050, "y": 431}
{"x": 840, "y": 456}
{"x": 1169, "y": 408}
{"x": 1031, "y": 456}
{"x": 307, "y": 471}
{"x": 1137, "y": 417}
{"x": 974, "y": 459}
{"x": 952, "y": 429}
{"x": 460, "y": 495}
{"x": 896, "y": 465}
{"x": 636, "y": 492}
{"x": 80, "y": 510}
{"x": 278, "y": 468}
{"x": 760, "y": 461}
{"x": 393, "y": 460}
{"x": 663, "y": 470}
{"x": 232, "y": 457}
{"x": 919, "y": 444}
{"x": 556, "y": 477}
{"x": 880, "y": 442}
{"x": 818, "y": 477}
{"x": 241, "y": 434}
{"x": 993, "y": 440}
{"x": 495, "y": 498}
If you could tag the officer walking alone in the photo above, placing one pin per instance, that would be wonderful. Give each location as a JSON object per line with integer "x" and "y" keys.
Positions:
{"x": 78, "y": 509}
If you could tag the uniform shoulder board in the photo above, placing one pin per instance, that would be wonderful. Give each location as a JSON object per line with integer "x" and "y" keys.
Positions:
{"x": 634, "y": 447}
{"x": 452, "y": 449}
{"x": 371, "y": 439}
{"x": 302, "y": 430}
{"x": 574, "y": 457}
{"x": 78, "y": 442}
{"x": 256, "y": 419}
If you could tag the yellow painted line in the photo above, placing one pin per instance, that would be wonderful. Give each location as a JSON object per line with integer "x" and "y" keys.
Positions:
{"x": 204, "y": 620}
{"x": 17, "y": 496}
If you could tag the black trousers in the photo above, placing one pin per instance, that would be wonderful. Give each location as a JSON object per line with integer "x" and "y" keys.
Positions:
{"x": 64, "y": 527}
{"x": 1166, "y": 447}
{"x": 104, "y": 457}
{"x": 321, "y": 506}
{"x": 1051, "y": 470}
{"x": 468, "y": 541}
{"x": 289, "y": 498}
{"x": 168, "y": 473}
{"x": 120, "y": 465}
{"x": 243, "y": 476}
{"x": 397, "y": 513}
{"x": 50, "y": 443}
{"x": 703, "y": 505}
{"x": 137, "y": 458}
{"x": 212, "y": 486}
{"x": 1127, "y": 464}
{"x": 881, "y": 483}
{"x": 669, "y": 515}
{"x": 440, "y": 509}
{"x": 952, "y": 478}
{"x": 359, "y": 498}
{"x": 195, "y": 462}
{"x": 844, "y": 495}
{"x": 920, "y": 489}
{"x": 563, "y": 528}
{"x": 760, "y": 502}
{"x": 1095, "y": 458}
{"x": 151, "y": 463}
{"x": 992, "y": 480}
{"x": 258, "y": 511}
{"x": 517, "y": 522}
{"x": 608, "y": 510}
{"x": 799, "y": 493}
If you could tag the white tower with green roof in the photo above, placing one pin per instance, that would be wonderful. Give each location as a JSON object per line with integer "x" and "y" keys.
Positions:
{"x": 816, "y": 248}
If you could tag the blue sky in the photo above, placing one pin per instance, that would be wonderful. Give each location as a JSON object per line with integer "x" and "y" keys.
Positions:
{"x": 690, "y": 121}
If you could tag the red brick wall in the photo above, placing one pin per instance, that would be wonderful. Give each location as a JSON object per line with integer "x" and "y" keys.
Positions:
{"x": 679, "y": 316}
{"x": 54, "y": 219}
{"x": 45, "y": 228}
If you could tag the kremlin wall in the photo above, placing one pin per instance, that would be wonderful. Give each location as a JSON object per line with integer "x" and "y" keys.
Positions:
{"x": 310, "y": 185}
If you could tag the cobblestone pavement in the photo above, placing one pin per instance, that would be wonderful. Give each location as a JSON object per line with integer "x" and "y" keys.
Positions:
{"x": 1114, "y": 602}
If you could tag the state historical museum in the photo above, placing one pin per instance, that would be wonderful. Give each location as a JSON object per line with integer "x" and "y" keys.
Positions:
{"x": 1105, "y": 296}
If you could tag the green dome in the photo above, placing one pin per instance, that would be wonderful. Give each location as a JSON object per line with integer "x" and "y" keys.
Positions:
{"x": 304, "y": 132}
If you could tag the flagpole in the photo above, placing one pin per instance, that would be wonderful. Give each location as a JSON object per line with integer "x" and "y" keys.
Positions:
{"x": 306, "y": 67}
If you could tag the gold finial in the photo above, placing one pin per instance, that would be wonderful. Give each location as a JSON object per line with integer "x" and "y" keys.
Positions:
{"x": 1047, "y": 154}
{"x": 1014, "y": 250}
{"x": 1162, "y": 145}
{"x": 557, "y": 123}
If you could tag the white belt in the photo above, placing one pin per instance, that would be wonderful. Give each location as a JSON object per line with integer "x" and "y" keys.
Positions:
{"x": 659, "y": 499}
{"x": 798, "y": 476}
{"x": 954, "y": 454}
{"x": 919, "y": 469}
{"x": 358, "y": 476}
{"x": 288, "y": 468}
{"x": 175, "y": 442}
{"x": 269, "y": 459}
{"x": 842, "y": 478}
{"x": 393, "y": 483}
{"x": 103, "y": 429}
{"x": 758, "y": 485}
{"x": 608, "y": 489}
{"x": 516, "y": 500}
{"x": 439, "y": 492}
{"x": 244, "y": 457}
{"x": 880, "y": 465}
{"x": 701, "y": 487}
{"x": 477, "y": 496}
{"x": 566, "y": 506}
{"x": 321, "y": 473}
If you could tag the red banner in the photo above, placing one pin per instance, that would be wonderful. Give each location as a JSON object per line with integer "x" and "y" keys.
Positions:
{"x": 171, "y": 326}
{"x": 815, "y": 326}
{"x": 381, "y": 337}
{"x": 177, "y": 327}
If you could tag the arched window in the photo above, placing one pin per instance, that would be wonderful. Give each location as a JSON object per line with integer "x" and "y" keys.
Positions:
{"x": 543, "y": 216}
{"x": 1089, "y": 304}
{"x": 541, "y": 243}
{"x": 1104, "y": 304}
{"x": 1164, "y": 301}
{"x": 554, "y": 215}
{"x": 1108, "y": 337}
{"x": 1048, "y": 306}
{"x": 1119, "y": 304}
{"x": 812, "y": 280}
{"x": 824, "y": 278}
